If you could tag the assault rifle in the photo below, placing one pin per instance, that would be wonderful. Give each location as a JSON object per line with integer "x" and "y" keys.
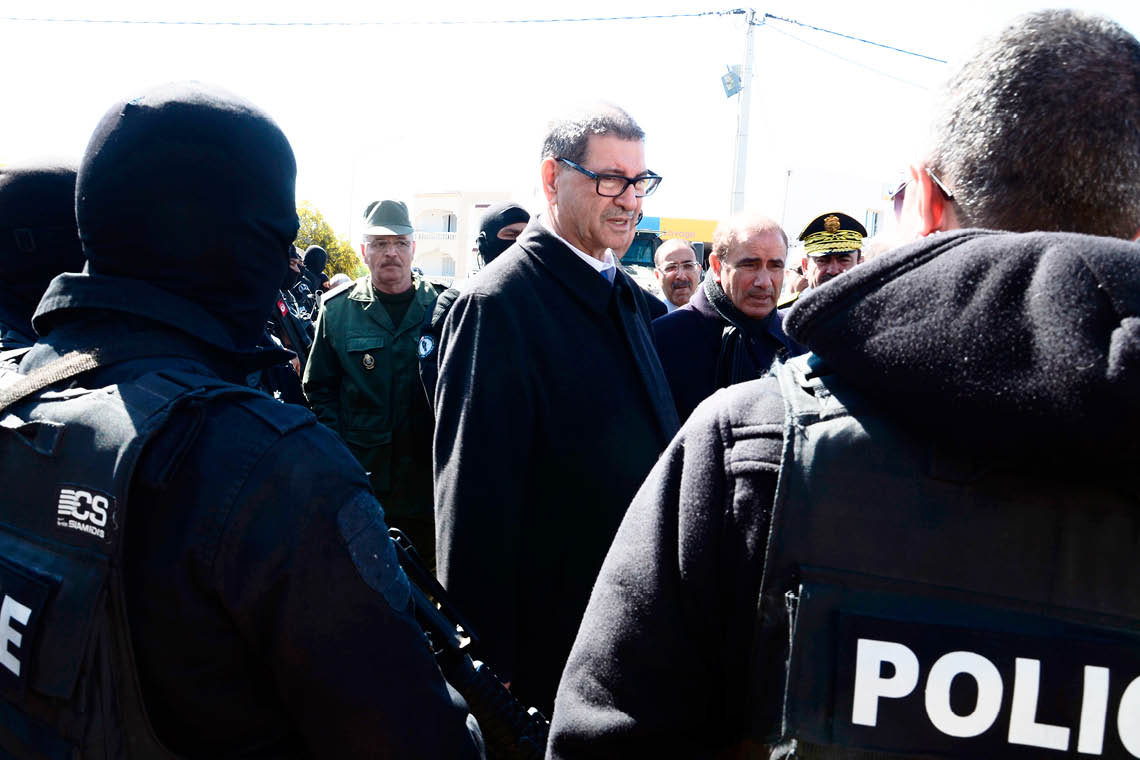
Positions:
{"x": 511, "y": 731}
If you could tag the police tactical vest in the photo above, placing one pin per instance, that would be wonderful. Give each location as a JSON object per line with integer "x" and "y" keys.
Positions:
{"x": 930, "y": 603}
{"x": 68, "y": 685}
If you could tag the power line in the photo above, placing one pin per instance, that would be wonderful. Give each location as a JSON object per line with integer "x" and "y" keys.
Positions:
{"x": 435, "y": 22}
{"x": 844, "y": 58}
{"x": 460, "y": 22}
{"x": 850, "y": 37}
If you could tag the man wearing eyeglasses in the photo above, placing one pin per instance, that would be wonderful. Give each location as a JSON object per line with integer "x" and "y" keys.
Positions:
{"x": 551, "y": 405}
{"x": 362, "y": 377}
{"x": 941, "y": 497}
{"x": 677, "y": 271}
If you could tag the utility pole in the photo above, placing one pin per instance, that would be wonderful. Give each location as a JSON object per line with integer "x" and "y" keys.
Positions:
{"x": 740, "y": 166}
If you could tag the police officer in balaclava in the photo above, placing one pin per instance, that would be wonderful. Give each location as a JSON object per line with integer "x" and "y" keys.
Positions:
{"x": 38, "y": 240}
{"x": 315, "y": 259}
{"x": 310, "y": 283}
{"x": 500, "y": 225}
{"x": 178, "y": 490}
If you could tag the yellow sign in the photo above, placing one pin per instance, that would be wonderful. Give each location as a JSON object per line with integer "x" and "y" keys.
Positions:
{"x": 693, "y": 230}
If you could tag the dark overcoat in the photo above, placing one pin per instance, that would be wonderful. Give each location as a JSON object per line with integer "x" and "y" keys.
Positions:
{"x": 689, "y": 343}
{"x": 551, "y": 407}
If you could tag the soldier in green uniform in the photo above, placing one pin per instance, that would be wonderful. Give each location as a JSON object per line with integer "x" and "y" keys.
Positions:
{"x": 362, "y": 377}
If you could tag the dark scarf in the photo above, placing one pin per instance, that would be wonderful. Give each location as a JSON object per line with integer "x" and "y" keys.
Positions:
{"x": 736, "y": 361}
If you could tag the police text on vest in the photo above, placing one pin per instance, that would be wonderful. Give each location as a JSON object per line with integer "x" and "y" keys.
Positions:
{"x": 1024, "y": 728}
{"x": 10, "y": 638}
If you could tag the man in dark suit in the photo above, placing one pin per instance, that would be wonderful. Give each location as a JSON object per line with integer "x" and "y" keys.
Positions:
{"x": 729, "y": 331}
{"x": 544, "y": 433}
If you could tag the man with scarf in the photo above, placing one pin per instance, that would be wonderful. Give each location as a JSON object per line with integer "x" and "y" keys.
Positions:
{"x": 944, "y": 487}
{"x": 729, "y": 331}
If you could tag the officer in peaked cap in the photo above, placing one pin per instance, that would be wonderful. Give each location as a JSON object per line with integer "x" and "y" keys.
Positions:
{"x": 833, "y": 243}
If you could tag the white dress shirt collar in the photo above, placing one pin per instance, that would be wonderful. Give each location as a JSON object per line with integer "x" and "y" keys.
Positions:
{"x": 606, "y": 266}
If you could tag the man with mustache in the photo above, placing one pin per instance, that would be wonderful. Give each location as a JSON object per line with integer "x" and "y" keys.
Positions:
{"x": 551, "y": 406}
{"x": 729, "y": 331}
{"x": 362, "y": 377}
{"x": 678, "y": 272}
{"x": 833, "y": 244}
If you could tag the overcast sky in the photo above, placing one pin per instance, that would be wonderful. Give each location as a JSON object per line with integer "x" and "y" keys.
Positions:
{"x": 394, "y": 108}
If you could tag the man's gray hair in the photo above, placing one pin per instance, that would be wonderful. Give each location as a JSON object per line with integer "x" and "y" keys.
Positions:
{"x": 732, "y": 231}
{"x": 567, "y": 137}
{"x": 1041, "y": 128}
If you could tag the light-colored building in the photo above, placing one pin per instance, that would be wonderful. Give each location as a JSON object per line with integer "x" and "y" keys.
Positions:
{"x": 446, "y": 225}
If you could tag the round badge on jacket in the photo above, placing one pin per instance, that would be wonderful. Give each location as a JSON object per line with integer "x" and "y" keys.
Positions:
{"x": 368, "y": 361}
{"x": 427, "y": 345}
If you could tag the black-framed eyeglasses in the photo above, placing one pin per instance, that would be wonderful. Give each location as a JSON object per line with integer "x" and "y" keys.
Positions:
{"x": 899, "y": 195}
{"x": 613, "y": 185}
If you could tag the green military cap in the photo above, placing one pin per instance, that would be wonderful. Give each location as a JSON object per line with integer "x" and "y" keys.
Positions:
{"x": 387, "y": 218}
{"x": 833, "y": 232}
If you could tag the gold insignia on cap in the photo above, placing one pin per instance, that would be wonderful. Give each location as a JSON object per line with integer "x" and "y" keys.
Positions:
{"x": 368, "y": 361}
{"x": 831, "y": 224}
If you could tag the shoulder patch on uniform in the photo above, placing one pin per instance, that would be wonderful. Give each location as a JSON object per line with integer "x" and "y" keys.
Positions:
{"x": 788, "y": 300}
{"x": 87, "y": 510}
{"x": 361, "y": 524}
{"x": 427, "y": 346}
{"x": 283, "y": 418}
{"x": 338, "y": 291}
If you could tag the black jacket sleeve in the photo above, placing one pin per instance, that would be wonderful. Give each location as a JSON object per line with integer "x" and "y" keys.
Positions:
{"x": 660, "y": 664}
{"x": 271, "y": 593}
{"x": 350, "y": 661}
{"x": 484, "y": 406}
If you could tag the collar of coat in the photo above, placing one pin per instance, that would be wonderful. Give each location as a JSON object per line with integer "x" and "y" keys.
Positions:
{"x": 73, "y": 296}
{"x": 584, "y": 283}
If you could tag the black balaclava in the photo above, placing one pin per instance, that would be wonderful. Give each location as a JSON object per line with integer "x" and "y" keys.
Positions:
{"x": 191, "y": 189}
{"x": 291, "y": 278}
{"x": 38, "y": 235}
{"x": 496, "y": 218}
{"x": 315, "y": 260}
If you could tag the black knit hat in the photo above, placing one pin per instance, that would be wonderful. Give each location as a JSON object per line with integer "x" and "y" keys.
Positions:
{"x": 191, "y": 188}
{"x": 315, "y": 259}
{"x": 38, "y": 235}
